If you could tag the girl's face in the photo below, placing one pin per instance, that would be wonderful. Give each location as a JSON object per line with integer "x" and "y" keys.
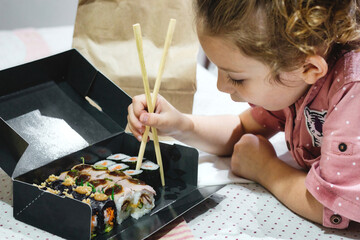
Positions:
{"x": 248, "y": 80}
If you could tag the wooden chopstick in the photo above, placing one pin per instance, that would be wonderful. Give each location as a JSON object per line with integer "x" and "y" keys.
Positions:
{"x": 152, "y": 101}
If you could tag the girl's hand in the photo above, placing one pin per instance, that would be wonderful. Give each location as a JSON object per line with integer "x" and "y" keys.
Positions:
{"x": 253, "y": 157}
{"x": 166, "y": 118}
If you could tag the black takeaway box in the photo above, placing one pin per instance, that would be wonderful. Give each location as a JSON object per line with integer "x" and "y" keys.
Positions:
{"x": 49, "y": 123}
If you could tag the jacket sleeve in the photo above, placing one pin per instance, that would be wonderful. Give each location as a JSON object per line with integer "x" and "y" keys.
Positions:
{"x": 335, "y": 180}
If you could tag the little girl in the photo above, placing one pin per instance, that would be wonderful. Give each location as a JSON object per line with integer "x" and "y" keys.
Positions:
{"x": 295, "y": 63}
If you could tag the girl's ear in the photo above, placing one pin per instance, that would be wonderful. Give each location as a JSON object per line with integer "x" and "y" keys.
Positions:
{"x": 315, "y": 67}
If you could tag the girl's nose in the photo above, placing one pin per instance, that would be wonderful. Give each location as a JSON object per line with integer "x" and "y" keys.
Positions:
{"x": 222, "y": 83}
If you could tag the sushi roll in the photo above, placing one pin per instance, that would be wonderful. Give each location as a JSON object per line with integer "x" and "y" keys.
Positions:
{"x": 119, "y": 167}
{"x": 142, "y": 197}
{"x": 130, "y": 161}
{"x": 123, "y": 198}
{"x": 151, "y": 173}
{"x": 118, "y": 156}
{"x": 103, "y": 164}
{"x": 103, "y": 213}
{"x": 113, "y": 195}
{"x": 134, "y": 173}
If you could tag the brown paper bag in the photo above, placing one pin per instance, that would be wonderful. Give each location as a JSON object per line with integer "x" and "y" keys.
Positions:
{"x": 104, "y": 35}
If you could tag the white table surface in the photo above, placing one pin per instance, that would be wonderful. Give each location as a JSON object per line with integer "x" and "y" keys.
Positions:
{"x": 237, "y": 211}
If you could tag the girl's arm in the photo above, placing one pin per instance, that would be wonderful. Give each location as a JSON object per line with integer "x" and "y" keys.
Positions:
{"x": 213, "y": 134}
{"x": 218, "y": 134}
{"x": 288, "y": 185}
{"x": 254, "y": 158}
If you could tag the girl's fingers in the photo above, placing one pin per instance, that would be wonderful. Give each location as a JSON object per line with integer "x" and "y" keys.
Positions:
{"x": 134, "y": 122}
{"x": 139, "y": 105}
{"x": 134, "y": 131}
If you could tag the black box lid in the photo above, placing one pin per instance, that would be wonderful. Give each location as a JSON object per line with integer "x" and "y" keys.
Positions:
{"x": 46, "y": 113}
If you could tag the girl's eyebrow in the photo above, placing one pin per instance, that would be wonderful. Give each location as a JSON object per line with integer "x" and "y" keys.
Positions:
{"x": 230, "y": 70}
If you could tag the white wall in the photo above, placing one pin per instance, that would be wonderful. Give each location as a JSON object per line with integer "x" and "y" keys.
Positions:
{"x": 36, "y": 13}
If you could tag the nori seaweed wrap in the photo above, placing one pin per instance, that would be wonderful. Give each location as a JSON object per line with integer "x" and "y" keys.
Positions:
{"x": 151, "y": 173}
{"x": 60, "y": 186}
{"x": 103, "y": 213}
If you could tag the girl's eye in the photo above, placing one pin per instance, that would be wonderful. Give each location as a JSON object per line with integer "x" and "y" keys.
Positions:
{"x": 235, "y": 81}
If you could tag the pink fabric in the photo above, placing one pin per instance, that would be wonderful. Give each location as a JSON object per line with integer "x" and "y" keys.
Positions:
{"x": 176, "y": 230}
{"x": 36, "y": 46}
{"x": 322, "y": 131}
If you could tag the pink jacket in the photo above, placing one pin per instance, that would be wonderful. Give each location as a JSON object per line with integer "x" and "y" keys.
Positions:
{"x": 322, "y": 132}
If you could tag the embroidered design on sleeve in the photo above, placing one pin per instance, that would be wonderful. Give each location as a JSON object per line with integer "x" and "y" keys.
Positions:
{"x": 314, "y": 125}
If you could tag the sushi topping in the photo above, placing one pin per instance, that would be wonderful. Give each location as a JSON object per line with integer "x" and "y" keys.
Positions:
{"x": 69, "y": 181}
{"x": 83, "y": 190}
{"x": 82, "y": 167}
{"x": 99, "y": 167}
{"x": 136, "y": 181}
{"x": 117, "y": 173}
{"x": 87, "y": 201}
{"x": 43, "y": 185}
{"x": 98, "y": 182}
{"x": 100, "y": 196}
{"x": 114, "y": 190}
{"x": 83, "y": 178}
{"x": 66, "y": 194}
{"x": 93, "y": 189}
{"x": 73, "y": 173}
{"x": 56, "y": 192}
{"x": 52, "y": 178}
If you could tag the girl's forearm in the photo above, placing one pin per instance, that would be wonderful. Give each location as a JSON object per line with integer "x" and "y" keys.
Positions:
{"x": 288, "y": 185}
{"x": 212, "y": 134}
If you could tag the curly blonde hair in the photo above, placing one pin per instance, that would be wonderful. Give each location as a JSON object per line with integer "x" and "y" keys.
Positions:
{"x": 282, "y": 33}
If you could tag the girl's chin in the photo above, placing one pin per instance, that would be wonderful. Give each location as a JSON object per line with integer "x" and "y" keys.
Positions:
{"x": 236, "y": 99}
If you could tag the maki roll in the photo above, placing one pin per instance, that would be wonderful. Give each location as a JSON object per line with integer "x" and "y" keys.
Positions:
{"x": 151, "y": 173}
{"x": 103, "y": 164}
{"x": 134, "y": 173}
{"x": 142, "y": 196}
{"x": 119, "y": 167}
{"x": 122, "y": 198}
{"x": 118, "y": 156}
{"x": 103, "y": 213}
{"x": 131, "y": 161}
